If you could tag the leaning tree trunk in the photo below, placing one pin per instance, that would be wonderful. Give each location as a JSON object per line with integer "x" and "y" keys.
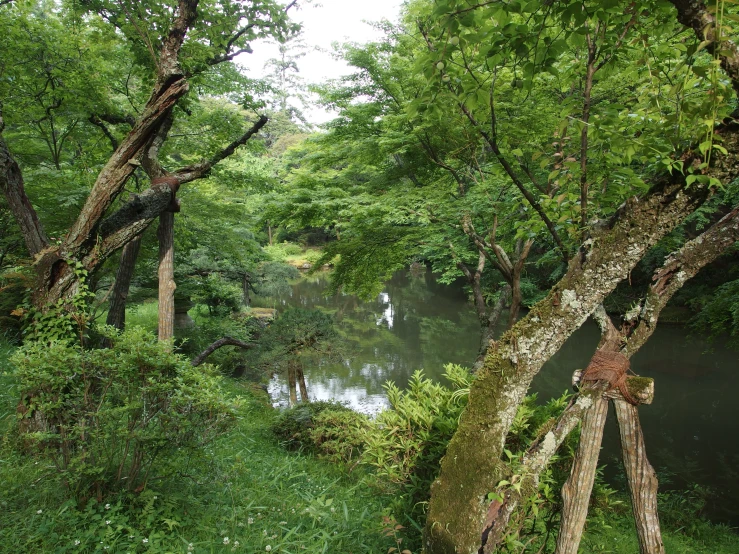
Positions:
{"x": 167, "y": 285}
{"x": 119, "y": 296}
{"x": 509, "y": 362}
{"x": 472, "y": 464}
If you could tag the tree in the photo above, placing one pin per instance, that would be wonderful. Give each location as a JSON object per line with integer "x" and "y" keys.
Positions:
{"x": 173, "y": 45}
{"x": 472, "y": 465}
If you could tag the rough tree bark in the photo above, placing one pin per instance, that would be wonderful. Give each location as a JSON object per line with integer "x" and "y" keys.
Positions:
{"x": 472, "y": 464}
{"x": 641, "y": 477}
{"x": 576, "y": 490}
{"x": 11, "y": 183}
{"x": 677, "y": 269}
{"x": 167, "y": 285}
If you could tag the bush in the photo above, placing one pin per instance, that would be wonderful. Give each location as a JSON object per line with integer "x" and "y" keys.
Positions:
{"x": 219, "y": 294}
{"x": 111, "y": 419}
{"x": 327, "y": 429}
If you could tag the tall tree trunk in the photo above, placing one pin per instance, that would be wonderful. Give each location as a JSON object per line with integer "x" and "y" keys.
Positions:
{"x": 300, "y": 374}
{"x": 641, "y": 477}
{"x": 167, "y": 286}
{"x": 119, "y": 296}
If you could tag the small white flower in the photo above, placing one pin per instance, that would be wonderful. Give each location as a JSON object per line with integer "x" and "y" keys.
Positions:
{"x": 268, "y": 548}
{"x": 107, "y": 506}
{"x": 77, "y": 542}
{"x": 250, "y": 520}
{"x": 190, "y": 547}
{"x": 283, "y": 523}
{"x": 236, "y": 544}
{"x": 130, "y": 536}
{"x": 155, "y": 497}
{"x": 333, "y": 509}
{"x": 225, "y": 540}
{"x": 145, "y": 541}
{"x": 39, "y": 511}
{"x": 264, "y": 532}
{"x": 107, "y": 522}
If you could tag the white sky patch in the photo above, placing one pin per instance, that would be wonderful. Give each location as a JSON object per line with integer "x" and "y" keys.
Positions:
{"x": 324, "y": 23}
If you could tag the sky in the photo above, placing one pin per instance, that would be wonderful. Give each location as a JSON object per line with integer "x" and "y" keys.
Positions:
{"x": 326, "y": 22}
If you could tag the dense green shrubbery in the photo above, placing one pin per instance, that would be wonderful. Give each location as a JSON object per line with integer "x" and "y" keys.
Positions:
{"x": 113, "y": 418}
{"x": 328, "y": 429}
{"x": 405, "y": 443}
{"x": 220, "y": 295}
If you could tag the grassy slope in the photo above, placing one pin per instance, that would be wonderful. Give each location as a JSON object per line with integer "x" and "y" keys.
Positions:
{"x": 252, "y": 492}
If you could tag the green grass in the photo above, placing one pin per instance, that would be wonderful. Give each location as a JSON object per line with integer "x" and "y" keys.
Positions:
{"x": 252, "y": 492}
{"x": 143, "y": 314}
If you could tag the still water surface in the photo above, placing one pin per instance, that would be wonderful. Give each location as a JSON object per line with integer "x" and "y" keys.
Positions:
{"x": 691, "y": 429}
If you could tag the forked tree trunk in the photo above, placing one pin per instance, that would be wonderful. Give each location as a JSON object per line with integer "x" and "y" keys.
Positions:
{"x": 300, "y": 374}
{"x": 641, "y": 477}
{"x": 167, "y": 285}
{"x": 472, "y": 465}
{"x": 119, "y": 296}
{"x": 576, "y": 491}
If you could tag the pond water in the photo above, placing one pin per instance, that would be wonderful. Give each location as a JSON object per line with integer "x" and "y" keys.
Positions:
{"x": 416, "y": 323}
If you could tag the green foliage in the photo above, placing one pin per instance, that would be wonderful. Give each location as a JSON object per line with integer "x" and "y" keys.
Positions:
{"x": 327, "y": 429}
{"x": 296, "y": 331}
{"x": 218, "y": 294}
{"x": 720, "y": 313}
{"x": 117, "y": 417}
{"x": 67, "y": 321}
{"x": 273, "y": 279}
{"x": 249, "y": 495}
{"x": 411, "y": 436}
{"x": 281, "y": 251}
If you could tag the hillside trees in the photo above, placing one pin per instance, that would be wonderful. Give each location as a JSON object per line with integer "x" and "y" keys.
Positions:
{"x": 176, "y": 50}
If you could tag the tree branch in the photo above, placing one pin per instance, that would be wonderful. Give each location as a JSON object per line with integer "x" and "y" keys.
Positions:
{"x": 201, "y": 169}
{"x": 225, "y": 341}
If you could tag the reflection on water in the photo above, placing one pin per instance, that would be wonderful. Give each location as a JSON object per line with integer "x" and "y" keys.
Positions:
{"x": 416, "y": 323}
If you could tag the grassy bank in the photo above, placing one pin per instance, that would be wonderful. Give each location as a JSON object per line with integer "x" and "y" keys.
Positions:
{"x": 252, "y": 496}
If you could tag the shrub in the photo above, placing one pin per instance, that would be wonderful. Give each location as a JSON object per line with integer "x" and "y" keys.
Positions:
{"x": 219, "y": 294}
{"x": 328, "y": 429}
{"x": 111, "y": 419}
